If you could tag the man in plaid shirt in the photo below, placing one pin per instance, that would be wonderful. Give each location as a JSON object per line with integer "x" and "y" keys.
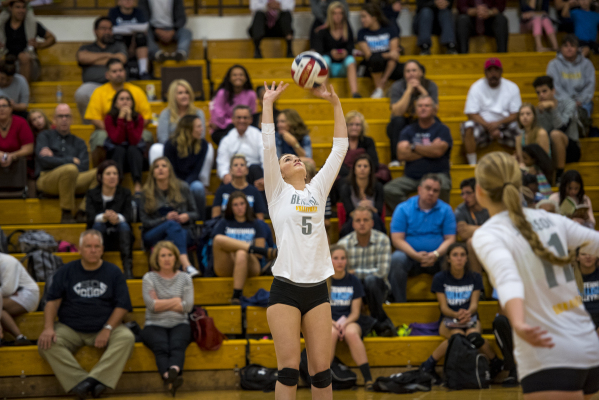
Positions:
{"x": 369, "y": 258}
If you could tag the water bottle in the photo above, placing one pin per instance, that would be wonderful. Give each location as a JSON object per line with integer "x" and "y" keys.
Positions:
{"x": 58, "y": 94}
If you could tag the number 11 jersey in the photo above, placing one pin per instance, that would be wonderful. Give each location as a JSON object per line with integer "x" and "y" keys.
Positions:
{"x": 298, "y": 216}
{"x": 551, "y": 297}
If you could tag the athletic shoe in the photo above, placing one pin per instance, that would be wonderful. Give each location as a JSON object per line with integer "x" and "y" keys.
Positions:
{"x": 180, "y": 55}
{"x": 192, "y": 271}
{"x": 378, "y": 94}
{"x": 160, "y": 56}
{"x": 394, "y": 163}
{"x": 22, "y": 340}
{"x": 511, "y": 380}
{"x": 496, "y": 366}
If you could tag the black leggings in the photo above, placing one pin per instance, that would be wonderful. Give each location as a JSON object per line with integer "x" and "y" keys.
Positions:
{"x": 131, "y": 155}
{"x": 167, "y": 344}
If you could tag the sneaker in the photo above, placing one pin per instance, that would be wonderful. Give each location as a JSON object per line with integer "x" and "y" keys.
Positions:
{"x": 451, "y": 49}
{"x": 160, "y": 56}
{"x": 235, "y": 301}
{"x": 496, "y": 366}
{"x": 67, "y": 218}
{"x": 425, "y": 50}
{"x": 192, "y": 271}
{"x": 180, "y": 56}
{"x": 356, "y": 95}
{"x": 257, "y": 53}
{"x": 22, "y": 340}
{"x": 394, "y": 163}
{"x": 511, "y": 380}
{"x": 378, "y": 94}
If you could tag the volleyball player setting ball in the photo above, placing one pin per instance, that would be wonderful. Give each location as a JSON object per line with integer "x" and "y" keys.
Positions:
{"x": 527, "y": 254}
{"x": 299, "y": 297}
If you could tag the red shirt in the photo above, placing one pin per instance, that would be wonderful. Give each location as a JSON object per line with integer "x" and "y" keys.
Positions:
{"x": 124, "y": 131}
{"x": 18, "y": 135}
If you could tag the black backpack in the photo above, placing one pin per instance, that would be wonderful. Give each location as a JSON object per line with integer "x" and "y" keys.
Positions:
{"x": 465, "y": 367}
{"x": 257, "y": 377}
{"x": 407, "y": 382}
{"x": 343, "y": 377}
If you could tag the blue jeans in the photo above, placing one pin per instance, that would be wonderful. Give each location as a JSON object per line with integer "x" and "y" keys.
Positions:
{"x": 182, "y": 37}
{"x": 425, "y": 20}
{"x": 588, "y": 107}
{"x": 105, "y": 227}
{"x": 171, "y": 231}
{"x": 199, "y": 194}
{"x": 402, "y": 267}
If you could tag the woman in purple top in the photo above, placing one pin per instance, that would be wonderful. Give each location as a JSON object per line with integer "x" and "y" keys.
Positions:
{"x": 235, "y": 89}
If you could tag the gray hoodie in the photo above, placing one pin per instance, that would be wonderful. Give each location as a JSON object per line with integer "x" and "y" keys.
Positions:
{"x": 563, "y": 118}
{"x": 575, "y": 80}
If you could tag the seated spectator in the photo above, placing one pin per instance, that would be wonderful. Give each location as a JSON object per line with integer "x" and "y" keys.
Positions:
{"x": 238, "y": 243}
{"x": 368, "y": 254}
{"x": 320, "y": 12}
{"x": 536, "y": 162}
{"x": 90, "y": 298}
{"x": 22, "y": 47}
{"x": 530, "y": 190}
{"x": 38, "y": 121}
{"x": 19, "y": 294}
{"x": 239, "y": 171}
{"x": 531, "y": 131}
{"x": 92, "y": 59}
{"x": 242, "y": 139}
{"x": 62, "y": 165}
{"x": 548, "y": 205}
{"x": 458, "y": 291}
{"x": 346, "y": 306}
{"x": 167, "y": 25}
{"x": 362, "y": 189}
{"x": 573, "y": 75}
{"x": 492, "y": 108}
{"x": 586, "y": 22}
{"x": 586, "y": 265}
{"x": 16, "y": 139}
{"x": 425, "y": 146}
{"x": 403, "y": 96}
{"x": 292, "y": 136}
{"x": 391, "y": 9}
{"x": 335, "y": 42}
{"x": 257, "y": 116}
{"x": 534, "y": 18}
{"x": 435, "y": 17}
{"x": 235, "y": 90}
{"x": 5, "y": 16}
{"x": 559, "y": 117}
{"x": 130, "y": 26}
{"x": 422, "y": 228}
{"x": 481, "y": 17}
{"x": 109, "y": 211}
{"x": 168, "y": 295}
{"x": 272, "y": 19}
{"x": 100, "y": 105}
{"x": 179, "y": 104}
{"x": 124, "y": 127}
{"x": 359, "y": 143}
{"x": 562, "y": 9}
{"x": 191, "y": 157}
{"x": 14, "y": 86}
{"x": 168, "y": 211}
{"x": 572, "y": 186}
{"x": 469, "y": 217}
{"x": 379, "y": 42}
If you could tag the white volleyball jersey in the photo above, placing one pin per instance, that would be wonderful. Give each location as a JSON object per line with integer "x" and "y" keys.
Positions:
{"x": 298, "y": 216}
{"x": 551, "y": 297}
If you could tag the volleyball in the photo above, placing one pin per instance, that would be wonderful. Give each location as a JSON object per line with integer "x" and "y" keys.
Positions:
{"x": 309, "y": 70}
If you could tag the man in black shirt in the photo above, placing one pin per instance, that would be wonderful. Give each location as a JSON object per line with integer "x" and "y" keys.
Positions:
{"x": 90, "y": 298}
{"x": 18, "y": 45}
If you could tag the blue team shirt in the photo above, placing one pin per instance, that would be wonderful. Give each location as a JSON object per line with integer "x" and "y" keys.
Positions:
{"x": 244, "y": 231}
{"x": 585, "y": 24}
{"x": 378, "y": 41}
{"x": 425, "y": 230}
{"x": 590, "y": 297}
{"x": 255, "y": 199}
{"x": 457, "y": 291}
{"x": 118, "y": 18}
{"x": 343, "y": 292}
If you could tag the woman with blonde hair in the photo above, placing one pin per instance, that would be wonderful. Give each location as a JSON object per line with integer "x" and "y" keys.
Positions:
{"x": 192, "y": 158}
{"x": 292, "y": 136}
{"x": 168, "y": 211}
{"x": 179, "y": 103}
{"x": 38, "y": 121}
{"x": 168, "y": 295}
{"x": 359, "y": 142}
{"x": 525, "y": 253}
{"x": 532, "y": 133}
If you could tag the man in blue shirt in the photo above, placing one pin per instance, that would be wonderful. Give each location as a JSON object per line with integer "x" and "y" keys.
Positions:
{"x": 422, "y": 228}
{"x": 425, "y": 146}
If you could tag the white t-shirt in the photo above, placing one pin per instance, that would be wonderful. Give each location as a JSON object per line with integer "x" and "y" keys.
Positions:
{"x": 13, "y": 276}
{"x": 551, "y": 298}
{"x": 250, "y": 145}
{"x": 298, "y": 216}
{"x": 493, "y": 104}
{"x": 162, "y": 14}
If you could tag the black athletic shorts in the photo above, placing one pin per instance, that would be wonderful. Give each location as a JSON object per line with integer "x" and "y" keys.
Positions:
{"x": 563, "y": 380}
{"x": 301, "y": 297}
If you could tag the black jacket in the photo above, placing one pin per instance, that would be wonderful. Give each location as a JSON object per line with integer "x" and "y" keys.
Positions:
{"x": 121, "y": 204}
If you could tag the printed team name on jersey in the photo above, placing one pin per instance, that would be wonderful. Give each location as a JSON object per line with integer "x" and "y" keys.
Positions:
{"x": 572, "y": 75}
{"x": 591, "y": 291}
{"x": 90, "y": 289}
{"x": 378, "y": 42}
{"x": 541, "y": 223}
{"x": 243, "y": 234}
{"x": 567, "y": 305}
{"x": 458, "y": 295}
{"x": 304, "y": 206}
{"x": 341, "y": 295}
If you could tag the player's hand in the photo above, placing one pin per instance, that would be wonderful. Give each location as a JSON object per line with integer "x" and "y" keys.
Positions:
{"x": 324, "y": 94}
{"x": 273, "y": 93}
{"x": 535, "y": 336}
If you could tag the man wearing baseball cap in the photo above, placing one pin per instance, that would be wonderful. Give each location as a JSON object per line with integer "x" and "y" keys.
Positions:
{"x": 492, "y": 109}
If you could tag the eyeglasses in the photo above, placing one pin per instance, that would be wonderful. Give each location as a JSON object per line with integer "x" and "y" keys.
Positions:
{"x": 4, "y": 106}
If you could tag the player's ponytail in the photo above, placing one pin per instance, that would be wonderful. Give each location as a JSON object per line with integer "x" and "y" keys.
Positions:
{"x": 499, "y": 176}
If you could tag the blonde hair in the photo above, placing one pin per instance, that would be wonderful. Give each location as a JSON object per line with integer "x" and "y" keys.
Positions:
{"x": 578, "y": 271}
{"x": 183, "y": 136}
{"x": 330, "y": 23}
{"x": 535, "y": 127}
{"x": 172, "y": 106}
{"x": 297, "y": 127}
{"x": 356, "y": 114}
{"x": 498, "y": 174}
{"x": 164, "y": 244}
{"x": 174, "y": 196}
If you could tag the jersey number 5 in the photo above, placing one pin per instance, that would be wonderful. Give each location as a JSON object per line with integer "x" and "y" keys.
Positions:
{"x": 306, "y": 225}
{"x": 549, "y": 269}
